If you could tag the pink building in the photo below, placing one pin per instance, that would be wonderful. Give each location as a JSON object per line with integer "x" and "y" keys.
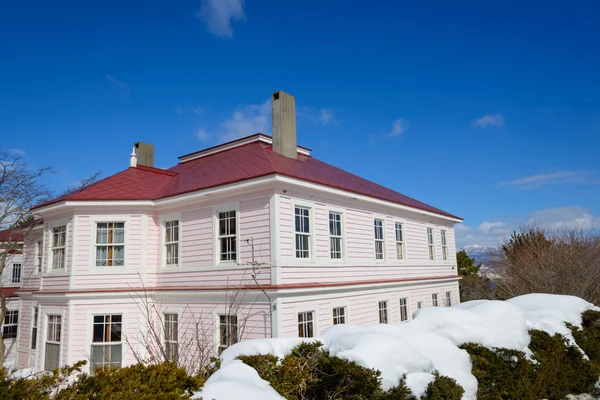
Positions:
{"x": 251, "y": 238}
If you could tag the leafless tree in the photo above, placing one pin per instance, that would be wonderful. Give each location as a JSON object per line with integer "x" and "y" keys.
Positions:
{"x": 558, "y": 261}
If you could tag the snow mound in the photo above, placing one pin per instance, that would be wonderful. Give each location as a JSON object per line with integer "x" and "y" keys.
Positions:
{"x": 415, "y": 349}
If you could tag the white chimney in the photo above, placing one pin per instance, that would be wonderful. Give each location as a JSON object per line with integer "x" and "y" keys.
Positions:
{"x": 283, "y": 108}
{"x": 133, "y": 159}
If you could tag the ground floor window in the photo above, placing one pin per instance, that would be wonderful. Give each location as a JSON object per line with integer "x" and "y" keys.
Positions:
{"x": 228, "y": 331}
{"x": 34, "y": 328}
{"x": 434, "y": 299}
{"x": 448, "y": 299}
{"x": 171, "y": 336}
{"x": 306, "y": 324}
{"x": 52, "y": 354}
{"x": 383, "y": 312}
{"x": 419, "y": 304}
{"x": 107, "y": 349}
{"x": 10, "y": 325}
{"x": 404, "y": 309}
{"x": 339, "y": 315}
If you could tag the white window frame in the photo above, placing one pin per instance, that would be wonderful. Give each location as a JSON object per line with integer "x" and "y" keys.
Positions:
{"x": 39, "y": 257}
{"x": 175, "y": 243}
{"x": 18, "y": 271}
{"x": 53, "y": 336}
{"x": 333, "y": 237}
{"x": 231, "y": 256}
{"x": 339, "y": 315}
{"x": 448, "y": 299}
{"x": 384, "y": 311}
{"x": 379, "y": 240}
{"x": 308, "y": 235}
{"x": 400, "y": 242}
{"x": 404, "y": 317}
{"x": 431, "y": 243}
{"x": 171, "y": 335}
{"x": 444, "y": 241}
{"x": 435, "y": 302}
{"x": 216, "y": 210}
{"x": 107, "y": 343}
{"x": 419, "y": 305}
{"x": 222, "y": 346}
{"x": 12, "y": 316}
{"x": 306, "y": 322}
{"x": 35, "y": 316}
{"x": 53, "y": 248}
{"x": 110, "y": 244}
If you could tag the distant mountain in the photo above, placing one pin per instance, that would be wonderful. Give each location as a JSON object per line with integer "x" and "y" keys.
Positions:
{"x": 479, "y": 252}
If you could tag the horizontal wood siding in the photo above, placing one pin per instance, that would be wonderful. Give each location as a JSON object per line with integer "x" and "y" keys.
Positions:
{"x": 153, "y": 250}
{"x": 254, "y": 224}
{"x": 362, "y": 307}
{"x": 55, "y": 283}
{"x": 197, "y": 238}
{"x": 84, "y": 238}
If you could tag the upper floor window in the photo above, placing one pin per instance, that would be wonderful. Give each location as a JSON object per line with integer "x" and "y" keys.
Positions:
{"x": 404, "y": 309}
{"x": 106, "y": 341}
{"x": 434, "y": 299}
{"x": 383, "y": 312}
{"x": 11, "y": 324}
{"x": 339, "y": 315}
{"x": 448, "y": 299}
{"x": 227, "y": 236}
{"x": 419, "y": 304}
{"x": 306, "y": 324}
{"x": 171, "y": 337}
{"x": 34, "y": 328}
{"x": 52, "y": 355}
{"x": 59, "y": 241}
{"x": 430, "y": 244}
{"x": 16, "y": 273}
{"x": 335, "y": 235}
{"x": 444, "y": 245}
{"x": 378, "y": 224}
{"x": 302, "y": 227}
{"x": 228, "y": 331}
{"x": 110, "y": 244}
{"x": 172, "y": 243}
{"x": 400, "y": 240}
{"x": 38, "y": 256}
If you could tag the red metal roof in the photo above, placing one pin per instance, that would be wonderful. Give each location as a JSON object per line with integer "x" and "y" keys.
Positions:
{"x": 247, "y": 161}
{"x": 7, "y": 235}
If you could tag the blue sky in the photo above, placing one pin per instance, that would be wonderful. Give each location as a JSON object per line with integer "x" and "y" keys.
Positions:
{"x": 489, "y": 110}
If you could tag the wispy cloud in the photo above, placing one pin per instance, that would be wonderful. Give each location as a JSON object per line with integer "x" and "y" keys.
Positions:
{"x": 245, "y": 121}
{"x": 218, "y": 14}
{"x": 320, "y": 116}
{"x": 202, "y": 135}
{"x": 187, "y": 109}
{"x": 489, "y": 120}
{"x": 399, "y": 126}
{"x": 555, "y": 178}
{"x": 17, "y": 152}
{"x": 122, "y": 86}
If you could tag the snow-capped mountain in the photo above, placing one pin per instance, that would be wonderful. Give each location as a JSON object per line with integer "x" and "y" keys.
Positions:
{"x": 479, "y": 252}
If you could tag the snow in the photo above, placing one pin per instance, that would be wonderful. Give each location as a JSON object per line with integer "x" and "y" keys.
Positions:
{"x": 415, "y": 349}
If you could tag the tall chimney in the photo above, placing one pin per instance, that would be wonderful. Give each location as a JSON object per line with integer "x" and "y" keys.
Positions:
{"x": 283, "y": 108}
{"x": 144, "y": 153}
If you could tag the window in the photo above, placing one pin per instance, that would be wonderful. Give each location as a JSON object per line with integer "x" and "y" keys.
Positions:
{"x": 227, "y": 236}
{"x": 448, "y": 299}
{"x": 110, "y": 244}
{"x": 434, "y": 299}
{"x": 34, "y": 328}
{"x": 383, "y": 312}
{"x": 52, "y": 357}
{"x": 171, "y": 337}
{"x": 404, "y": 309}
{"x": 335, "y": 235}
{"x": 430, "y": 243}
{"x": 106, "y": 341}
{"x": 400, "y": 240}
{"x": 302, "y": 220}
{"x": 172, "y": 242}
{"x": 339, "y": 315}
{"x": 16, "y": 273}
{"x": 38, "y": 256}
{"x": 419, "y": 304}
{"x": 444, "y": 245}
{"x": 378, "y": 224}
{"x": 305, "y": 324}
{"x": 228, "y": 327}
{"x": 59, "y": 240}
{"x": 11, "y": 324}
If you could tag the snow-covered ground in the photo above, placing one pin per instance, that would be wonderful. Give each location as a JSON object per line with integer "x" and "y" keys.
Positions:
{"x": 417, "y": 348}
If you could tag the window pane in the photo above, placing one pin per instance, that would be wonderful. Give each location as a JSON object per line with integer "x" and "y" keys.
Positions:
{"x": 52, "y": 356}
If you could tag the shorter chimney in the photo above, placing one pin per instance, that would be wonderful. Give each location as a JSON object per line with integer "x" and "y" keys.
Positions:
{"x": 283, "y": 108}
{"x": 144, "y": 153}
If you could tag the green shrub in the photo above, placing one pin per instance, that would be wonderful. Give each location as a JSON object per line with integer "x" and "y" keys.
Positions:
{"x": 443, "y": 388}
{"x": 561, "y": 369}
{"x": 39, "y": 387}
{"x": 163, "y": 381}
{"x": 588, "y": 338}
{"x": 398, "y": 392}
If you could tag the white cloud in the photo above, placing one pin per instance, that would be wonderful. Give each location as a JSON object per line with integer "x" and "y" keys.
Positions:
{"x": 246, "y": 121}
{"x": 461, "y": 229}
{"x": 565, "y": 217}
{"x": 218, "y": 14}
{"x": 556, "y": 178}
{"x": 122, "y": 86}
{"x": 489, "y": 120}
{"x": 399, "y": 126}
{"x": 319, "y": 116}
{"x": 202, "y": 135}
{"x": 494, "y": 228}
